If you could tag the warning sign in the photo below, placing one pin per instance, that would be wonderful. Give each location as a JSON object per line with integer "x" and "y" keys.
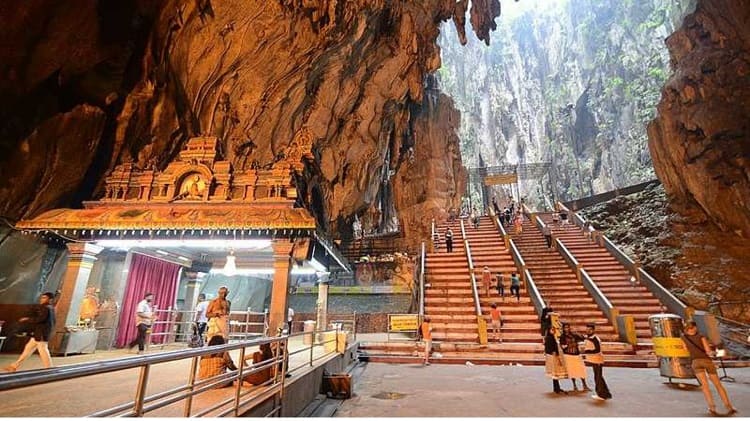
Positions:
{"x": 670, "y": 347}
{"x": 403, "y": 322}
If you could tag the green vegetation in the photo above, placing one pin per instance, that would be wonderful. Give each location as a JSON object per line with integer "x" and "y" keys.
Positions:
{"x": 543, "y": 63}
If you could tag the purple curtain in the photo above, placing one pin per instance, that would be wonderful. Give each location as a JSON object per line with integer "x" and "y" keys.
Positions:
{"x": 146, "y": 275}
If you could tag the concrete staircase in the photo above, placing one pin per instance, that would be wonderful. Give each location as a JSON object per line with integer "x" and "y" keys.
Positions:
{"x": 612, "y": 278}
{"x": 450, "y": 304}
{"x": 558, "y": 284}
{"x": 449, "y": 300}
{"x": 617, "y": 354}
{"x": 521, "y": 323}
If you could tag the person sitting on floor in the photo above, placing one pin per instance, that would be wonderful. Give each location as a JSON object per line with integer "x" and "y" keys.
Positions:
{"x": 258, "y": 358}
{"x": 215, "y": 364}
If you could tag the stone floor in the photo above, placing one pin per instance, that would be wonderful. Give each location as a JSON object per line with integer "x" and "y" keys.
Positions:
{"x": 401, "y": 390}
{"x": 390, "y": 390}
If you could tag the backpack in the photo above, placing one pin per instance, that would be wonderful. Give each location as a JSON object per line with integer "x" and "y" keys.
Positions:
{"x": 196, "y": 340}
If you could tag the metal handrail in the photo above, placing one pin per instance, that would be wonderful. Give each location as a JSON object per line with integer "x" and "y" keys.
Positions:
{"x": 569, "y": 258}
{"x": 477, "y": 306}
{"x": 435, "y": 238}
{"x": 597, "y": 293}
{"x": 618, "y": 254}
{"x": 496, "y": 220}
{"x": 665, "y": 296}
{"x": 421, "y": 281}
{"x": 533, "y": 291}
{"x": 138, "y": 406}
{"x": 540, "y": 224}
{"x": 525, "y": 209}
{"x": 244, "y": 326}
{"x": 520, "y": 263}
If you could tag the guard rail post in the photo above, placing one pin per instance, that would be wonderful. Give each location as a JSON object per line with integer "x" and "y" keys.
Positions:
{"x": 191, "y": 387}
{"x": 140, "y": 392}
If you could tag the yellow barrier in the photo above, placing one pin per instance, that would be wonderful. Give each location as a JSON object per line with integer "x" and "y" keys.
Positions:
{"x": 482, "y": 326}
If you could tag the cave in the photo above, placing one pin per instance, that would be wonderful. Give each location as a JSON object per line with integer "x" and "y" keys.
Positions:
{"x": 402, "y": 114}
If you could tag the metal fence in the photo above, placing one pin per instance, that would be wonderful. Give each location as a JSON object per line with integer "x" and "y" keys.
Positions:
{"x": 224, "y": 401}
{"x": 173, "y": 326}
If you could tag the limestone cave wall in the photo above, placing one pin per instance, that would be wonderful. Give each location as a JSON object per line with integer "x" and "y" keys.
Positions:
{"x": 87, "y": 84}
{"x": 700, "y": 141}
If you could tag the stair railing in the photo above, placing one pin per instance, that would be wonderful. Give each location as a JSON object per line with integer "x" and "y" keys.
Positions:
{"x": 534, "y": 294}
{"x": 569, "y": 258}
{"x": 435, "y": 239}
{"x": 518, "y": 260}
{"x": 623, "y": 325}
{"x": 500, "y": 229}
{"x": 469, "y": 259}
{"x": 601, "y": 300}
{"x": 573, "y": 216}
{"x": 481, "y": 323}
{"x": 421, "y": 282}
{"x": 526, "y": 211}
{"x": 672, "y": 303}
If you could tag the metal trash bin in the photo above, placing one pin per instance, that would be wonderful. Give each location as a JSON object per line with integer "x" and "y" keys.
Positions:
{"x": 309, "y": 326}
{"x": 674, "y": 358}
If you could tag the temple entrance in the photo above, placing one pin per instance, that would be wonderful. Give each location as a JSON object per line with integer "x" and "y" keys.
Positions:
{"x": 505, "y": 184}
{"x": 190, "y": 229}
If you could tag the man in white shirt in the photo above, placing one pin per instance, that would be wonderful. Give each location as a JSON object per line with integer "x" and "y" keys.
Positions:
{"x": 144, "y": 317}
{"x": 200, "y": 314}
{"x": 289, "y": 319}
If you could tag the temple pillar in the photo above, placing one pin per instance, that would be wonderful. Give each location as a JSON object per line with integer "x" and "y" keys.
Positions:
{"x": 73, "y": 287}
{"x": 280, "y": 289}
{"x": 191, "y": 294}
{"x": 322, "y": 306}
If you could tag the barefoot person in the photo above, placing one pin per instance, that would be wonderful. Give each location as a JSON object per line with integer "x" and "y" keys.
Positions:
{"x": 595, "y": 357}
{"x": 42, "y": 323}
{"x": 704, "y": 368}
{"x": 496, "y": 322}
{"x": 427, "y": 338}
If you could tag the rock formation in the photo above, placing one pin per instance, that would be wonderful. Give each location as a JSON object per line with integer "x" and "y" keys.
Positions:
{"x": 699, "y": 141}
{"x": 139, "y": 80}
{"x": 574, "y": 83}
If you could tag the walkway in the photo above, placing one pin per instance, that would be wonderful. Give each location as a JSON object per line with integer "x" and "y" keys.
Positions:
{"x": 83, "y": 396}
{"x": 388, "y": 390}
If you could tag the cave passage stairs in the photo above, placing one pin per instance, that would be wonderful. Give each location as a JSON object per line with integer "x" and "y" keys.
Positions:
{"x": 449, "y": 303}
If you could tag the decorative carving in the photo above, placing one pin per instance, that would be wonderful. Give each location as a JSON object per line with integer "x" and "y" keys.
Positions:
{"x": 197, "y": 174}
{"x": 152, "y": 200}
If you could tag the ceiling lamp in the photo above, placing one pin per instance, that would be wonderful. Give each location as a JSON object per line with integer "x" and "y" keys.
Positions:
{"x": 230, "y": 268}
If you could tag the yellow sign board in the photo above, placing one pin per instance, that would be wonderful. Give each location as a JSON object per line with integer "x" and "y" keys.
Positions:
{"x": 482, "y": 327}
{"x": 670, "y": 347}
{"x": 403, "y": 322}
{"x": 492, "y": 180}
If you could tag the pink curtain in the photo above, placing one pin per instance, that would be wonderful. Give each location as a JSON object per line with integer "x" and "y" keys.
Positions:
{"x": 146, "y": 275}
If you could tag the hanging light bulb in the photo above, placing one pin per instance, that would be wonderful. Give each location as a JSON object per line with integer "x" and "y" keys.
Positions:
{"x": 230, "y": 268}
